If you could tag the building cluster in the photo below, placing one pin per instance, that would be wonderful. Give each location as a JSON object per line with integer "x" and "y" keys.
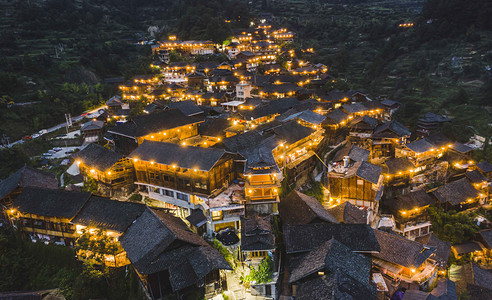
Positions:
{"x": 233, "y": 148}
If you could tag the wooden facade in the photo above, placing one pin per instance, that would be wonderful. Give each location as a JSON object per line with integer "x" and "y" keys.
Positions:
{"x": 183, "y": 179}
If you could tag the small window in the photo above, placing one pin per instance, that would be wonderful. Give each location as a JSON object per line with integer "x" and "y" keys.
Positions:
{"x": 360, "y": 182}
{"x": 216, "y": 215}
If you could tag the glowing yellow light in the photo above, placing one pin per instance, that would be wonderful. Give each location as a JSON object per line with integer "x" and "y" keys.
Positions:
{"x": 12, "y": 211}
{"x": 93, "y": 171}
{"x": 135, "y": 159}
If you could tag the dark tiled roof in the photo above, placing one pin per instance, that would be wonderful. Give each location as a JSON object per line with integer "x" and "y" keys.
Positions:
{"x": 479, "y": 293}
{"x": 50, "y": 202}
{"x": 187, "y": 107}
{"x": 292, "y": 132}
{"x": 420, "y": 146}
{"x": 410, "y": 201}
{"x": 335, "y": 286}
{"x": 187, "y": 157}
{"x": 114, "y": 101}
{"x": 92, "y": 125}
{"x": 353, "y": 151}
{"x": 259, "y": 158}
{"x": 365, "y": 170}
{"x": 399, "y": 164}
{"x": 354, "y": 107}
{"x": 242, "y": 141}
{"x": 438, "y": 140}
{"x": 158, "y": 241}
{"x": 335, "y": 257}
{"x": 197, "y": 218}
{"x": 391, "y": 129}
{"x": 306, "y": 237}
{"x": 443, "y": 248}
{"x": 257, "y": 233}
{"x": 401, "y": 251}
{"x": 298, "y": 208}
{"x": 348, "y": 213}
{"x": 98, "y": 157}
{"x": 364, "y": 122}
{"x": 486, "y": 235}
{"x": 156, "y": 122}
{"x": 336, "y": 116}
{"x": 27, "y": 176}
{"x": 461, "y": 148}
{"x": 270, "y": 108}
{"x": 213, "y": 127}
{"x": 108, "y": 214}
{"x": 466, "y": 248}
{"x": 445, "y": 290}
{"x": 307, "y": 116}
{"x": 456, "y": 192}
{"x": 475, "y": 176}
{"x": 482, "y": 277}
{"x": 485, "y": 166}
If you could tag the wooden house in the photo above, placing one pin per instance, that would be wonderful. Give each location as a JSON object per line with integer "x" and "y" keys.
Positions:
{"x": 458, "y": 195}
{"x": 112, "y": 216}
{"x": 26, "y": 176}
{"x": 319, "y": 274}
{"x": 92, "y": 131}
{"x": 403, "y": 260}
{"x": 361, "y": 184}
{"x": 46, "y": 214}
{"x": 386, "y": 138}
{"x": 113, "y": 172}
{"x": 410, "y": 211}
{"x": 114, "y": 104}
{"x": 177, "y": 175}
{"x": 169, "y": 258}
{"x": 299, "y": 208}
{"x": 170, "y": 124}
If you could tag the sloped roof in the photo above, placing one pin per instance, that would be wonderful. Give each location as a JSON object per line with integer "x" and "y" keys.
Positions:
{"x": 445, "y": 290}
{"x": 307, "y": 116}
{"x": 348, "y": 213}
{"x": 292, "y": 132}
{"x": 197, "y": 218}
{"x": 456, "y": 192}
{"x": 486, "y": 235}
{"x": 410, "y": 201}
{"x": 335, "y": 286}
{"x": 336, "y": 116}
{"x": 187, "y": 157}
{"x": 108, "y": 214}
{"x": 92, "y": 125}
{"x": 270, "y": 108}
{"x": 391, "y": 129}
{"x": 299, "y": 208}
{"x": 401, "y": 251}
{"x": 27, "y": 176}
{"x": 158, "y": 241}
{"x": 335, "y": 257}
{"x": 420, "y": 146}
{"x": 156, "y": 122}
{"x": 443, "y": 248}
{"x": 353, "y": 151}
{"x": 114, "y": 101}
{"x": 306, "y": 237}
{"x": 213, "y": 127}
{"x": 257, "y": 233}
{"x": 485, "y": 166}
{"x": 187, "y": 107}
{"x": 50, "y": 202}
{"x": 354, "y": 107}
{"x": 365, "y": 170}
{"x": 475, "y": 176}
{"x": 98, "y": 157}
{"x": 398, "y": 164}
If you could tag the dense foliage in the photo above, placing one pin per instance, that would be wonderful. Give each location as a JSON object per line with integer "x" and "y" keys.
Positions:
{"x": 452, "y": 226}
{"x": 29, "y": 266}
{"x": 262, "y": 274}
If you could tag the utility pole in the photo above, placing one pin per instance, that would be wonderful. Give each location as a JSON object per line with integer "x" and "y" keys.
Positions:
{"x": 68, "y": 118}
{"x": 5, "y": 140}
